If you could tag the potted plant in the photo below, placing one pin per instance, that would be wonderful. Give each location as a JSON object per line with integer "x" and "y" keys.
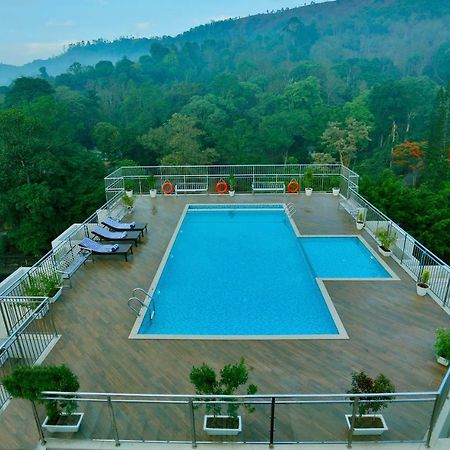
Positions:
{"x": 422, "y": 285}
{"x": 308, "y": 182}
{"x": 151, "y": 185}
{"x": 367, "y": 422}
{"x": 41, "y": 284}
{"x": 128, "y": 201}
{"x": 206, "y": 382}
{"x": 360, "y": 219}
{"x": 231, "y": 185}
{"x": 442, "y": 346}
{"x": 335, "y": 185}
{"x": 128, "y": 188}
{"x": 385, "y": 239}
{"x": 30, "y": 382}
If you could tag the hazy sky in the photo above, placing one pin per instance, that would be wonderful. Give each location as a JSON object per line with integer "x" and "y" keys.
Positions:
{"x": 31, "y": 29}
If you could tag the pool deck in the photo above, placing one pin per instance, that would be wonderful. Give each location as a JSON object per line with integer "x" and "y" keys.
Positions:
{"x": 391, "y": 330}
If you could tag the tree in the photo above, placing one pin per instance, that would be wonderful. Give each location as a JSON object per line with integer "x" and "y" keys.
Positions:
{"x": 409, "y": 155}
{"x": 26, "y": 89}
{"x": 179, "y": 142}
{"x": 345, "y": 139}
{"x": 106, "y": 137}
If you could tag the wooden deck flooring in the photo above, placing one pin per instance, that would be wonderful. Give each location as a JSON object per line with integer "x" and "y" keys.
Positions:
{"x": 391, "y": 330}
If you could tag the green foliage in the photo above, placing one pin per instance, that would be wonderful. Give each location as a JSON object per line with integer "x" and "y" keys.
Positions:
{"x": 335, "y": 182}
{"x": 361, "y": 215}
{"x": 232, "y": 182}
{"x": 363, "y": 384}
{"x": 29, "y": 383}
{"x": 41, "y": 284}
{"x": 442, "y": 344}
{"x": 128, "y": 201}
{"x": 425, "y": 277}
{"x": 151, "y": 180}
{"x": 232, "y": 376}
{"x": 308, "y": 178}
{"x": 386, "y": 238}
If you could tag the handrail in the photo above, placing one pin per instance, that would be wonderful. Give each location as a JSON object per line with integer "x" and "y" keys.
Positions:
{"x": 130, "y": 300}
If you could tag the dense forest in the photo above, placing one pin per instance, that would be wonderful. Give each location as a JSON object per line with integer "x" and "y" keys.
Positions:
{"x": 368, "y": 87}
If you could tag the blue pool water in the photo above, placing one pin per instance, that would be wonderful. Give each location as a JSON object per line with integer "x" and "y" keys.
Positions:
{"x": 342, "y": 257}
{"x": 238, "y": 272}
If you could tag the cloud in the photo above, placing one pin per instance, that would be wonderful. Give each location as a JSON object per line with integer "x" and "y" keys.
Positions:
{"x": 143, "y": 26}
{"x": 60, "y": 23}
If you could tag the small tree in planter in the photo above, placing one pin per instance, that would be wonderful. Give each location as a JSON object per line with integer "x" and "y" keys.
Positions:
{"x": 231, "y": 185}
{"x": 128, "y": 201}
{"x": 308, "y": 181}
{"x": 129, "y": 188}
{"x": 41, "y": 284}
{"x": 360, "y": 219}
{"x": 385, "y": 239}
{"x": 30, "y": 382}
{"x": 151, "y": 185}
{"x": 368, "y": 422}
{"x": 206, "y": 382}
{"x": 335, "y": 185}
{"x": 422, "y": 285}
{"x": 442, "y": 346}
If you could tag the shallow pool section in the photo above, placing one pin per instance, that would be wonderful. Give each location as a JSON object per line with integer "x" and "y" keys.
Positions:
{"x": 342, "y": 257}
{"x": 238, "y": 272}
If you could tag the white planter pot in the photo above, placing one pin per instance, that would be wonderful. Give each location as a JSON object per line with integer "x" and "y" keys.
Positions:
{"x": 153, "y": 193}
{"x": 384, "y": 252}
{"x": 367, "y": 431}
{"x": 222, "y": 431}
{"x": 359, "y": 225}
{"x": 56, "y": 296}
{"x": 64, "y": 428}
{"x": 231, "y": 193}
{"x": 421, "y": 291}
{"x": 129, "y": 193}
{"x": 442, "y": 361}
{"x": 308, "y": 191}
{"x": 336, "y": 191}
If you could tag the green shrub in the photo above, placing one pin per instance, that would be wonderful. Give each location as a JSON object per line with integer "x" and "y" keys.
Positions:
{"x": 386, "y": 238}
{"x": 442, "y": 344}
{"x": 128, "y": 201}
{"x": 363, "y": 384}
{"x": 29, "y": 383}
{"x": 206, "y": 382}
{"x": 42, "y": 285}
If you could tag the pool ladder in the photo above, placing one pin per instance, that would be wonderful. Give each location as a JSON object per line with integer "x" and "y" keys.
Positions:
{"x": 290, "y": 209}
{"x": 134, "y": 301}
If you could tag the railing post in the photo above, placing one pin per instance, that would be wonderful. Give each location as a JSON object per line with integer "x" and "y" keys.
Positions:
{"x": 113, "y": 421}
{"x": 38, "y": 424}
{"x": 352, "y": 423}
{"x": 192, "y": 414}
{"x": 272, "y": 422}
{"x": 403, "y": 251}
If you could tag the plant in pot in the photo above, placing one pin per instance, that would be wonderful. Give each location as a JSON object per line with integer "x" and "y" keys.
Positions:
{"x": 422, "y": 284}
{"x": 360, "y": 219}
{"x": 30, "y": 382}
{"x": 231, "y": 185}
{"x": 442, "y": 346}
{"x": 41, "y": 284}
{"x": 128, "y": 201}
{"x": 335, "y": 185}
{"x": 385, "y": 240}
{"x": 368, "y": 422}
{"x": 308, "y": 181}
{"x": 206, "y": 382}
{"x": 151, "y": 185}
{"x": 128, "y": 188}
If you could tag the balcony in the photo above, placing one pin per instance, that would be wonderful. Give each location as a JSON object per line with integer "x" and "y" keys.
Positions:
{"x": 391, "y": 330}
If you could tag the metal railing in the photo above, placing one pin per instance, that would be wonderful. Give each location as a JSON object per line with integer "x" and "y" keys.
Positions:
{"x": 274, "y": 419}
{"x": 32, "y": 335}
{"x": 137, "y": 177}
{"x": 409, "y": 253}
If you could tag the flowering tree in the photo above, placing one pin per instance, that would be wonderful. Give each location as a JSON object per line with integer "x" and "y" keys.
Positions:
{"x": 409, "y": 155}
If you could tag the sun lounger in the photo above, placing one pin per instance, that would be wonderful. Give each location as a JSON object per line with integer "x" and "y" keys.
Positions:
{"x": 106, "y": 235}
{"x": 124, "y": 226}
{"x": 106, "y": 249}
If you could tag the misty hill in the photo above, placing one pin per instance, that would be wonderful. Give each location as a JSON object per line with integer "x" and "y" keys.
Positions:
{"x": 411, "y": 35}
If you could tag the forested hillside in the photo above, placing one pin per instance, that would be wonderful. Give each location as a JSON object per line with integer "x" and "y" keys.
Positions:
{"x": 362, "y": 82}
